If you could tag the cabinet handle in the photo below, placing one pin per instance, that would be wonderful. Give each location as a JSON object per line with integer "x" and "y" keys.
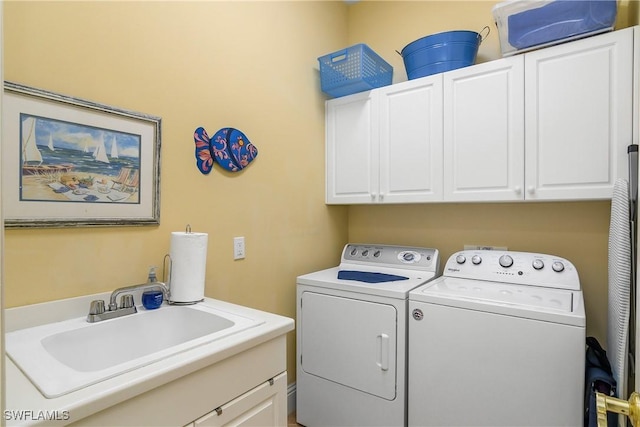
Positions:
{"x": 531, "y": 189}
{"x": 517, "y": 189}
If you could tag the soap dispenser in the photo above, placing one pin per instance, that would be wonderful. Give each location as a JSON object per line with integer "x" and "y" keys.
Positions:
{"x": 152, "y": 298}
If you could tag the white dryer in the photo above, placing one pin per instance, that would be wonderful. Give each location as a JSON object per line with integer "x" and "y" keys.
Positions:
{"x": 351, "y": 336}
{"x": 498, "y": 340}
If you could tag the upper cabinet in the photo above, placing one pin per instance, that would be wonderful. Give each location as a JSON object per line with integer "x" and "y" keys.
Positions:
{"x": 484, "y": 131}
{"x": 551, "y": 124}
{"x": 385, "y": 146}
{"x": 411, "y": 141}
{"x": 578, "y": 117}
{"x": 352, "y": 148}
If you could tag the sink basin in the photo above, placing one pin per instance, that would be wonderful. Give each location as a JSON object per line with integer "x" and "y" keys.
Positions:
{"x": 66, "y": 356}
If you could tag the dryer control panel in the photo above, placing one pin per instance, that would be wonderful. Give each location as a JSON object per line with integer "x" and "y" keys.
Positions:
{"x": 523, "y": 268}
{"x": 406, "y": 257}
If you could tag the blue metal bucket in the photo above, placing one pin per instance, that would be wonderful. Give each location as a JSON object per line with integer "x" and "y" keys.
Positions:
{"x": 441, "y": 52}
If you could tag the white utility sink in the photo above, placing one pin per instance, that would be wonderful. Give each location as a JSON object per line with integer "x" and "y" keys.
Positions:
{"x": 65, "y": 356}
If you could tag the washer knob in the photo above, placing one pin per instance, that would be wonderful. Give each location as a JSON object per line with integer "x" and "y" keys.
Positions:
{"x": 408, "y": 256}
{"x": 506, "y": 261}
{"x": 376, "y": 254}
{"x": 537, "y": 264}
{"x": 354, "y": 251}
{"x": 476, "y": 259}
{"x": 557, "y": 266}
{"x": 365, "y": 252}
{"x": 460, "y": 259}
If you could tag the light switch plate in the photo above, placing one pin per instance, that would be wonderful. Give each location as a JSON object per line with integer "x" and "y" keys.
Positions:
{"x": 238, "y": 248}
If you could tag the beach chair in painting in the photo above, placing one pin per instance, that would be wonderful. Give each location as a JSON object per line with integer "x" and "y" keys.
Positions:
{"x": 133, "y": 181}
{"x": 120, "y": 181}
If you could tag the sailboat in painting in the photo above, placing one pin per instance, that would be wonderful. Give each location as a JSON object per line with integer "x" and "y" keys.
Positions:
{"x": 30, "y": 152}
{"x": 101, "y": 152}
{"x": 114, "y": 148}
{"x": 31, "y": 156}
{"x": 50, "y": 144}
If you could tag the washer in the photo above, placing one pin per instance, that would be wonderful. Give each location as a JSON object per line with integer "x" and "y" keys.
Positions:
{"x": 351, "y": 336}
{"x": 498, "y": 340}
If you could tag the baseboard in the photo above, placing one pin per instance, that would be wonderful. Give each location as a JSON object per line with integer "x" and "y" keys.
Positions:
{"x": 291, "y": 398}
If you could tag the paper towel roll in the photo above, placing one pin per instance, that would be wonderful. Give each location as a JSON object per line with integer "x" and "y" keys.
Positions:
{"x": 188, "y": 254}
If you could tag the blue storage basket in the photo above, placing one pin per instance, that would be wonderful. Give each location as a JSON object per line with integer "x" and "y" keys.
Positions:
{"x": 354, "y": 69}
{"x": 441, "y": 52}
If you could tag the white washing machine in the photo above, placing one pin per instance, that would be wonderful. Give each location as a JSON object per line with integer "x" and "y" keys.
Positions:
{"x": 351, "y": 336}
{"x": 498, "y": 340}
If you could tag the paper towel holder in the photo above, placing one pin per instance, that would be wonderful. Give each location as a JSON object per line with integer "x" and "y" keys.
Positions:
{"x": 183, "y": 292}
{"x": 166, "y": 274}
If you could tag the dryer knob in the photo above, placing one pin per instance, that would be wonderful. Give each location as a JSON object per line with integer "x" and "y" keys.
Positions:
{"x": 354, "y": 251}
{"x": 365, "y": 252}
{"x": 460, "y": 259}
{"x": 476, "y": 259}
{"x": 557, "y": 266}
{"x": 376, "y": 254}
{"x": 506, "y": 261}
{"x": 537, "y": 264}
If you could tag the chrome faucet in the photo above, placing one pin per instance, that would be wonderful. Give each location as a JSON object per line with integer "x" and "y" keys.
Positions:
{"x": 97, "y": 310}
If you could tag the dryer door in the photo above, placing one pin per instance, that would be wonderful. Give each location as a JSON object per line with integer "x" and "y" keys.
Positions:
{"x": 350, "y": 342}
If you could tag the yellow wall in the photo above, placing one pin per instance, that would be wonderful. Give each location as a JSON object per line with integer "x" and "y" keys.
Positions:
{"x": 250, "y": 65}
{"x": 576, "y": 231}
{"x": 628, "y": 13}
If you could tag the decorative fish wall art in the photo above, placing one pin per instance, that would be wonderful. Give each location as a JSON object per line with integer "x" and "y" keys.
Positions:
{"x": 228, "y": 147}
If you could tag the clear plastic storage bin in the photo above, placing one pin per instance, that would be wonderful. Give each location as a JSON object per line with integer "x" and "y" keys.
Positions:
{"x": 529, "y": 24}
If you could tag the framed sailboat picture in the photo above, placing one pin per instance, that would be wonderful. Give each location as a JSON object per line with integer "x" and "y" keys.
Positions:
{"x": 72, "y": 162}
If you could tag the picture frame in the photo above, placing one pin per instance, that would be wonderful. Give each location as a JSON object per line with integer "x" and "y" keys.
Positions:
{"x": 70, "y": 162}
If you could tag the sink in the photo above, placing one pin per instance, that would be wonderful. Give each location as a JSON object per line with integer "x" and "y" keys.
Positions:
{"x": 62, "y": 357}
{"x": 109, "y": 343}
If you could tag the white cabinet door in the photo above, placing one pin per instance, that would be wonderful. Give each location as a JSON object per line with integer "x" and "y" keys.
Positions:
{"x": 578, "y": 117}
{"x": 484, "y": 131}
{"x": 411, "y": 141}
{"x": 352, "y": 149}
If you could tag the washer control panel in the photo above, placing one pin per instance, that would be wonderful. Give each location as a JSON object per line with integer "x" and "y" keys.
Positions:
{"x": 522, "y": 268}
{"x": 392, "y": 256}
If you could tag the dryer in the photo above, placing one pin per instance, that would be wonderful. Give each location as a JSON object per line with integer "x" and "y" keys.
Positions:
{"x": 351, "y": 336}
{"x": 498, "y": 340}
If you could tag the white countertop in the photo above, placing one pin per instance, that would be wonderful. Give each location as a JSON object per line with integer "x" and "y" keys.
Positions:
{"x": 26, "y": 406}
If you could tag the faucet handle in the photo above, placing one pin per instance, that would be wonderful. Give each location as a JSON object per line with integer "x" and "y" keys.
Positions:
{"x": 126, "y": 301}
{"x": 97, "y": 307}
